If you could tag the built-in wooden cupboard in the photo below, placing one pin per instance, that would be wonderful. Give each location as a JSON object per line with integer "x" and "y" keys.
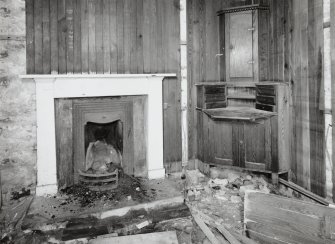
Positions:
{"x": 243, "y": 117}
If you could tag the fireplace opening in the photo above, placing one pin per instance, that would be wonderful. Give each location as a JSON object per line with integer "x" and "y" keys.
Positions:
{"x": 103, "y": 152}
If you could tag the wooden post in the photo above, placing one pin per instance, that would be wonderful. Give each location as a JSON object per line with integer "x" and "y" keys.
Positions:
{"x": 183, "y": 68}
{"x": 332, "y": 60}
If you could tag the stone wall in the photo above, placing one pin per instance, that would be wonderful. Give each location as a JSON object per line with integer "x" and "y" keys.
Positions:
{"x": 17, "y": 102}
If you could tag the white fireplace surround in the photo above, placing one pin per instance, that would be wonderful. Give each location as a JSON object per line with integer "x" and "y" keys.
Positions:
{"x": 49, "y": 87}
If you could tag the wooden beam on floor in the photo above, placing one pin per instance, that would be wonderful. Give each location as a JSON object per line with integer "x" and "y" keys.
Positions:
{"x": 304, "y": 192}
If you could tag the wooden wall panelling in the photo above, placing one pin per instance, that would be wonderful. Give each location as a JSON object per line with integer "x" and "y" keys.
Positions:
{"x": 305, "y": 69}
{"x": 110, "y": 36}
{"x": 46, "y": 37}
{"x": 77, "y": 36}
{"x": 211, "y": 48}
{"x": 316, "y": 119}
{"x": 38, "y": 36}
{"x": 133, "y": 37}
{"x": 113, "y": 36}
{"x": 54, "y": 36}
{"x": 84, "y": 37}
{"x": 106, "y": 36}
{"x": 139, "y": 36}
{"x": 146, "y": 37}
{"x": 127, "y": 25}
{"x": 99, "y": 50}
{"x": 332, "y": 56}
{"x": 30, "y": 47}
{"x": 280, "y": 36}
{"x": 263, "y": 40}
{"x": 190, "y": 92}
{"x": 120, "y": 36}
{"x": 153, "y": 25}
{"x": 161, "y": 37}
{"x": 200, "y": 141}
{"x": 297, "y": 94}
{"x": 91, "y": 37}
{"x": 202, "y": 39}
{"x": 69, "y": 36}
{"x": 62, "y": 29}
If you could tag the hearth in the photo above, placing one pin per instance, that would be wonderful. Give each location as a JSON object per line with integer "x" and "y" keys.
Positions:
{"x": 51, "y": 90}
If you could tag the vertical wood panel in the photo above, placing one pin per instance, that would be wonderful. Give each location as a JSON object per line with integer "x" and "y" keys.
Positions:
{"x": 305, "y": 95}
{"x": 84, "y": 37}
{"x": 211, "y": 40}
{"x": 139, "y": 36}
{"x": 30, "y": 51}
{"x": 69, "y": 36}
{"x": 91, "y": 37}
{"x": 316, "y": 120}
{"x": 149, "y": 40}
{"x": 62, "y": 28}
{"x": 127, "y": 14}
{"x": 113, "y": 36}
{"x": 106, "y": 36}
{"x": 46, "y": 37}
{"x": 54, "y": 36}
{"x": 77, "y": 36}
{"x": 332, "y": 56}
{"x": 120, "y": 36}
{"x": 38, "y": 37}
{"x": 99, "y": 36}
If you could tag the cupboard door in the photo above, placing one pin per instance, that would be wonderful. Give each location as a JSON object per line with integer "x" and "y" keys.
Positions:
{"x": 240, "y": 45}
{"x": 257, "y": 138}
{"x": 223, "y": 143}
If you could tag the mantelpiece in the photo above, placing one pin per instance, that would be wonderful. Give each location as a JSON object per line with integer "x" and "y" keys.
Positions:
{"x": 49, "y": 87}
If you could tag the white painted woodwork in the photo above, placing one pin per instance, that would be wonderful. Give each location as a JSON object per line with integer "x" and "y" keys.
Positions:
{"x": 49, "y": 87}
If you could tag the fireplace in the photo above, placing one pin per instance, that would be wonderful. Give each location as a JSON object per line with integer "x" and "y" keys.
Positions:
{"x": 83, "y": 125}
{"x": 50, "y": 88}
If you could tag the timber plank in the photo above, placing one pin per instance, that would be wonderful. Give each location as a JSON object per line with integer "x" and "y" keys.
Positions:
{"x": 332, "y": 55}
{"x": 316, "y": 119}
{"x": 99, "y": 36}
{"x": 120, "y": 36}
{"x": 113, "y": 36}
{"x": 139, "y": 36}
{"x": 61, "y": 37}
{"x": 53, "y": 37}
{"x": 69, "y": 36}
{"x": 30, "y": 51}
{"x": 106, "y": 36}
{"x": 46, "y": 37}
{"x": 127, "y": 33}
{"x": 84, "y": 37}
{"x": 92, "y": 58}
{"x": 77, "y": 36}
{"x": 286, "y": 219}
{"x": 38, "y": 36}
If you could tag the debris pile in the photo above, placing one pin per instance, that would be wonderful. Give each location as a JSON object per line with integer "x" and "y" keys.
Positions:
{"x": 129, "y": 188}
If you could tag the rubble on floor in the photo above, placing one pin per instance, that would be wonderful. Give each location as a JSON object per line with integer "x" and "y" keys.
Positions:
{"x": 216, "y": 200}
